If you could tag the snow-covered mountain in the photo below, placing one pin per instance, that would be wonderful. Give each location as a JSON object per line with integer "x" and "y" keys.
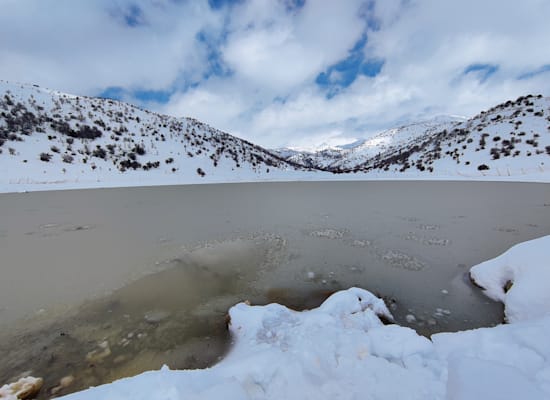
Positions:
{"x": 511, "y": 139}
{"x": 48, "y": 137}
{"x": 53, "y": 140}
{"x": 349, "y": 156}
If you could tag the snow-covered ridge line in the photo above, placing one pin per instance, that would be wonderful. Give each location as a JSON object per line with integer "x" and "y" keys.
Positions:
{"x": 52, "y": 140}
{"x": 509, "y": 139}
{"x": 348, "y": 157}
{"x": 342, "y": 350}
{"x": 47, "y": 136}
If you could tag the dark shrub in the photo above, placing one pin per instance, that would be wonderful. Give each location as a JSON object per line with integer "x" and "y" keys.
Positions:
{"x": 99, "y": 152}
{"x": 84, "y": 132}
{"x": 45, "y": 157}
{"x": 139, "y": 149}
{"x": 127, "y": 164}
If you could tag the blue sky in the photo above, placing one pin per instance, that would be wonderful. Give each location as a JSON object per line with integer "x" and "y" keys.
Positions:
{"x": 482, "y": 72}
{"x": 300, "y": 73}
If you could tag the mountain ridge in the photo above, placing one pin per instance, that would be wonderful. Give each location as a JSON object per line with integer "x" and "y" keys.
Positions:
{"x": 50, "y": 139}
{"x": 349, "y": 155}
{"x": 49, "y": 134}
{"x": 493, "y": 138}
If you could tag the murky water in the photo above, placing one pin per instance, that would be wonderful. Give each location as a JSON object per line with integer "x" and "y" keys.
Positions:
{"x": 159, "y": 267}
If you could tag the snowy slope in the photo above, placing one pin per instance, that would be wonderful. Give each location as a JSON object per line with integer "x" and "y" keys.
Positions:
{"x": 52, "y": 140}
{"x": 49, "y": 138}
{"x": 509, "y": 140}
{"x": 349, "y": 156}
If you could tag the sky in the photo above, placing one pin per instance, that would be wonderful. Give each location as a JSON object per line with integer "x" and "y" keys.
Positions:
{"x": 298, "y": 73}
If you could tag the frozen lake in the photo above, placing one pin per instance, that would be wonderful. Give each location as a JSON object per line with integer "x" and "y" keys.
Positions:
{"x": 149, "y": 273}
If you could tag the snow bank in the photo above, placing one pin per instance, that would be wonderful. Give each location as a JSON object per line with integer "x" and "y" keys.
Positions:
{"x": 339, "y": 350}
{"x": 519, "y": 278}
{"x": 504, "y": 362}
{"x": 343, "y": 350}
{"x": 498, "y": 381}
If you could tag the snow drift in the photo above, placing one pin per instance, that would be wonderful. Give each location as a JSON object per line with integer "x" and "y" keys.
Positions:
{"x": 343, "y": 350}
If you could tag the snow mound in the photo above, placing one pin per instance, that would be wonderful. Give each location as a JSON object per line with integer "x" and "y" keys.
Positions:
{"x": 338, "y": 350}
{"x": 519, "y": 278}
{"x": 504, "y": 362}
{"x": 500, "y": 382}
{"x": 343, "y": 350}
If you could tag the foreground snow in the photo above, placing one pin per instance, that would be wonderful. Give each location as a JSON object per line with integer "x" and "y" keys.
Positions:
{"x": 342, "y": 350}
{"x": 519, "y": 278}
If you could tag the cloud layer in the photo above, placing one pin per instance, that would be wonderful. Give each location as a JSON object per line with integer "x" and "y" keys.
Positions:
{"x": 287, "y": 72}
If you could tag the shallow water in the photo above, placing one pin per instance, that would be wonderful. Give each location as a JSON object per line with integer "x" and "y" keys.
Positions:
{"x": 159, "y": 267}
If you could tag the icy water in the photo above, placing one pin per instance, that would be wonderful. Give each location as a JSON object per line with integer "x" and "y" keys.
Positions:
{"x": 101, "y": 284}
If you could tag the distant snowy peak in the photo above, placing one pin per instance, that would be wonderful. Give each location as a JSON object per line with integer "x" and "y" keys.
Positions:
{"x": 401, "y": 135}
{"x": 350, "y": 155}
{"x": 510, "y": 139}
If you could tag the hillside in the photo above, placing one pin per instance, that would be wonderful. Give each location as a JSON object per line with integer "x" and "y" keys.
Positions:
{"x": 49, "y": 138}
{"x": 349, "y": 156}
{"x": 509, "y": 140}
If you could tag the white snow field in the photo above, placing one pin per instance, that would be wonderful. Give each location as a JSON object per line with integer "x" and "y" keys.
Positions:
{"x": 342, "y": 350}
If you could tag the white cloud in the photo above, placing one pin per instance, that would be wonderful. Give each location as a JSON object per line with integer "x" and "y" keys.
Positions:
{"x": 278, "y": 51}
{"x": 216, "y": 103}
{"x": 81, "y": 47}
{"x": 426, "y": 46}
{"x": 430, "y": 43}
{"x": 274, "y": 56}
